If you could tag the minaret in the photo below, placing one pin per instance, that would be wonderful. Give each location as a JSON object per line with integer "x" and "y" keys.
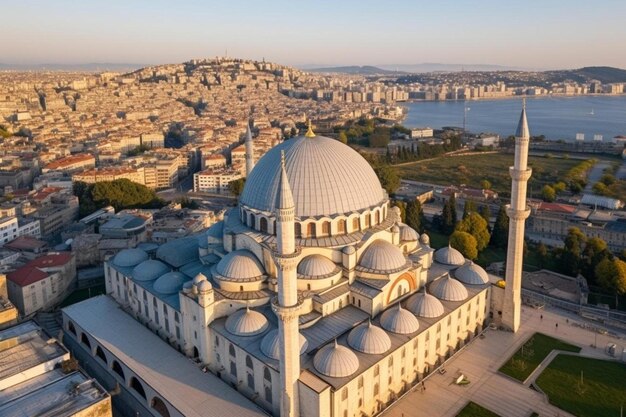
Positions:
{"x": 249, "y": 151}
{"x": 286, "y": 305}
{"x": 518, "y": 213}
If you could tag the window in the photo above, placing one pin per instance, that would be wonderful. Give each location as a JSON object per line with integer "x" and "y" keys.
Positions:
{"x": 390, "y": 363}
{"x": 375, "y": 390}
{"x": 360, "y": 382}
{"x": 310, "y": 229}
{"x": 326, "y": 228}
{"x": 159, "y": 406}
{"x": 71, "y": 328}
{"x": 344, "y": 394}
{"x": 118, "y": 369}
{"x": 249, "y": 362}
{"x": 355, "y": 224}
{"x": 136, "y": 385}
{"x": 251, "y": 381}
{"x": 377, "y": 217}
{"x": 268, "y": 394}
{"x": 85, "y": 340}
{"x": 217, "y": 341}
{"x": 100, "y": 354}
{"x": 376, "y": 371}
{"x": 341, "y": 227}
{"x": 367, "y": 221}
{"x": 267, "y": 375}
{"x": 231, "y": 350}
{"x": 263, "y": 224}
{"x": 154, "y": 302}
{"x": 233, "y": 369}
{"x": 176, "y": 318}
{"x": 298, "y": 229}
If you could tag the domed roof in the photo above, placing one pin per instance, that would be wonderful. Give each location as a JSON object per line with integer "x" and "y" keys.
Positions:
{"x": 382, "y": 256}
{"x": 170, "y": 283}
{"x": 349, "y": 250}
{"x": 449, "y": 256}
{"x": 205, "y": 286}
{"x": 399, "y": 320}
{"x": 471, "y": 274}
{"x": 407, "y": 234}
{"x": 316, "y": 266}
{"x": 240, "y": 265}
{"x": 424, "y": 305}
{"x": 130, "y": 257}
{"x": 199, "y": 278}
{"x": 425, "y": 239}
{"x": 149, "y": 270}
{"x": 368, "y": 338}
{"x": 246, "y": 322}
{"x": 449, "y": 289}
{"x": 326, "y": 178}
{"x": 335, "y": 361}
{"x": 271, "y": 348}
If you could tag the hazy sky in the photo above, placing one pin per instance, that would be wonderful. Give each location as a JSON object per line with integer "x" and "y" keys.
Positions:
{"x": 526, "y": 33}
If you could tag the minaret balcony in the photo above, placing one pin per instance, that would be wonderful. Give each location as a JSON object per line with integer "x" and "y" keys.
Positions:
{"x": 520, "y": 174}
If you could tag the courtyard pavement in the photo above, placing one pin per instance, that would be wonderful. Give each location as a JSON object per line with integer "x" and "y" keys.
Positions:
{"x": 480, "y": 362}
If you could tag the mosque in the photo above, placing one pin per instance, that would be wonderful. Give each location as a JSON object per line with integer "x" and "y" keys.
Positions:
{"x": 312, "y": 298}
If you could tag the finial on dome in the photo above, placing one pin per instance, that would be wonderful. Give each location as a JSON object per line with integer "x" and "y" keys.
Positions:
{"x": 282, "y": 159}
{"x": 309, "y": 133}
{"x": 524, "y": 103}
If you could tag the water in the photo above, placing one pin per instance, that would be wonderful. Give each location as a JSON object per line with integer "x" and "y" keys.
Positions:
{"x": 554, "y": 117}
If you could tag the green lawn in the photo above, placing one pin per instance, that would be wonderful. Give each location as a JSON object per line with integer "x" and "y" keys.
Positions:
{"x": 83, "y": 294}
{"x": 474, "y": 410}
{"x": 472, "y": 169}
{"x": 602, "y": 392}
{"x": 529, "y": 356}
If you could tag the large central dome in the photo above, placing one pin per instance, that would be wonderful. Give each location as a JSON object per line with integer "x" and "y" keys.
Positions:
{"x": 326, "y": 178}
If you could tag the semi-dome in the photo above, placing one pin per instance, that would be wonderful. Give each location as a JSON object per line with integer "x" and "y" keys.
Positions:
{"x": 336, "y": 361}
{"x": 326, "y": 178}
{"x": 246, "y": 322}
{"x": 130, "y": 257}
{"x": 149, "y": 270}
{"x": 449, "y": 256}
{"x": 449, "y": 289}
{"x": 240, "y": 265}
{"x": 400, "y": 321}
{"x": 368, "y": 338}
{"x": 316, "y": 266}
{"x": 408, "y": 234}
{"x": 471, "y": 274}
{"x": 425, "y": 305}
{"x": 271, "y": 348}
{"x": 382, "y": 256}
{"x": 170, "y": 283}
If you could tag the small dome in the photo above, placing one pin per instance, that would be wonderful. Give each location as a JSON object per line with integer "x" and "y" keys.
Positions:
{"x": 424, "y": 305}
{"x": 149, "y": 270}
{"x": 170, "y": 283}
{"x": 471, "y": 274}
{"x": 407, "y": 234}
{"x": 199, "y": 278}
{"x": 400, "y": 321}
{"x": 425, "y": 239}
{"x": 349, "y": 250}
{"x": 316, "y": 266}
{"x": 271, "y": 348}
{"x": 130, "y": 257}
{"x": 336, "y": 361}
{"x": 368, "y": 338}
{"x": 205, "y": 286}
{"x": 382, "y": 256}
{"x": 240, "y": 265}
{"x": 395, "y": 229}
{"x": 449, "y": 289}
{"x": 246, "y": 322}
{"x": 449, "y": 256}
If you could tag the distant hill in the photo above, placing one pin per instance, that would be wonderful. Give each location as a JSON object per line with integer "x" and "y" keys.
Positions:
{"x": 355, "y": 69}
{"x": 436, "y": 67}
{"x": 605, "y": 75}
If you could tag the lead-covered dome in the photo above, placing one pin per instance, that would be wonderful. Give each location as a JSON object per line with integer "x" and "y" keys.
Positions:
{"x": 316, "y": 266}
{"x": 449, "y": 256}
{"x": 246, "y": 322}
{"x": 240, "y": 265}
{"x": 149, "y": 270}
{"x": 271, "y": 348}
{"x": 130, "y": 257}
{"x": 448, "y": 289}
{"x": 336, "y": 361}
{"x": 326, "y": 178}
{"x": 383, "y": 257}
{"x": 408, "y": 234}
{"x": 368, "y": 338}
{"x": 400, "y": 321}
{"x": 471, "y": 274}
{"x": 425, "y": 305}
{"x": 170, "y": 283}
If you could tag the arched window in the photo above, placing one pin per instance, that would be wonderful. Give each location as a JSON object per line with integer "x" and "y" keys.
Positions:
{"x": 176, "y": 317}
{"x": 71, "y": 328}
{"x": 298, "y": 229}
{"x": 159, "y": 406}
{"x": 196, "y": 353}
{"x": 267, "y": 375}
{"x": 341, "y": 227}
{"x": 367, "y": 220}
{"x": 217, "y": 341}
{"x": 136, "y": 385}
{"x": 233, "y": 369}
{"x": 231, "y": 350}
{"x": 263, "y": 224}
{"x": 249, "y": 362}
{"x": 118, "y": 369}
{"x": 100, "y": 354}
{"x": 85, "y": 340}
{"x": 326, "y": 228}
{"x": 251, "y": 381}
{"x": 252, "y": 221}
{"x": 268, "y": 394}
{"x": 310, "y": 230}
{"x": 355, "y": 224}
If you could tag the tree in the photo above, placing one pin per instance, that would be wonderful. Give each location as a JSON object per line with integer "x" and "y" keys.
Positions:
{"x": 343, "y": 138}
{"x": 475, "y": 225}
{"x": 559, "y": 187}
{"x": 542, "y": 252}
{"x": 548, "y": 194}
{"x": 611, "y": 274}
{"x": 464, "y": 243}
{"x": 402, "y": 206}
{"x": 469, "y": 207}
{"x": 448, "y": 215}
{"x": 380, "y": 137}
{"x": 596, "y": 250}
{"x": 500, "y": 233}
{"x": 572, "y": 251}
{"x": 236, "y": 186}
{"x": 415, "y": 215}
{"x": 484, "y": 211}
{"x": 485, "y": 185}
{"x": 388, "y": 177}
{"x": 121, "y": 194}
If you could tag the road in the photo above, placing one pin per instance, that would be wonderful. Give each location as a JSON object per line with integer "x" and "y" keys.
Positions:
{"x": 595, "y": 174}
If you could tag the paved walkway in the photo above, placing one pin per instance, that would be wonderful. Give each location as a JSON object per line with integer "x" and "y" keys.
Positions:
{"x": 480, "y": 361}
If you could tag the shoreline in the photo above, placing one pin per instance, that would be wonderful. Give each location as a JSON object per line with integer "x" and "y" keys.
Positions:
{"x": 542, "y": 96}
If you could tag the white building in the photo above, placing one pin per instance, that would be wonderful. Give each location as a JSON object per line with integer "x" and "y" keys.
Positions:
{"x": 215, "y": 180}
{"x": 8, "y": 229}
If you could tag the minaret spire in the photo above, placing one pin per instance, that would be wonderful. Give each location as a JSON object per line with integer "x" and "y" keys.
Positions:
{"x": 518, "y": 213}
{"x": 286, "y": 305}
{"x": 249, "y": 151}
{"x": 309, "y": 133}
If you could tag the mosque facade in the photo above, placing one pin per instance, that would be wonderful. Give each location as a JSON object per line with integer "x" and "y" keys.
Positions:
{"x": 311, "y": 297}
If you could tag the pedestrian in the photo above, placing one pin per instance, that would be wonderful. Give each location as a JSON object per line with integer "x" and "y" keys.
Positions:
{"x": 541, "y": 317}
{"x": 557, "y": 325}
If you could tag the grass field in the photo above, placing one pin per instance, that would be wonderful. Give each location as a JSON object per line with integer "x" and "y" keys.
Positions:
{"x": 472, "y": 169}
{"x": 474, "y": 410}
{"x": 529, "y": 356}
{"x": 602, "y": 392}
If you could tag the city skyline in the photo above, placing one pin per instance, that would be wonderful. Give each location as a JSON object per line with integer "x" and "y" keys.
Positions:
{"x": 532, "y": 36}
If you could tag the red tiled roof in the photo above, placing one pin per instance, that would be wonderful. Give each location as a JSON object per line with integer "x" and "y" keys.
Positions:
{"x": 27, "y": 275}
{"x": 557, "y": 207}
{"x": 25, "y": 243}
{"x": 51, "y": 260}
{"x": 70, "y": 160}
